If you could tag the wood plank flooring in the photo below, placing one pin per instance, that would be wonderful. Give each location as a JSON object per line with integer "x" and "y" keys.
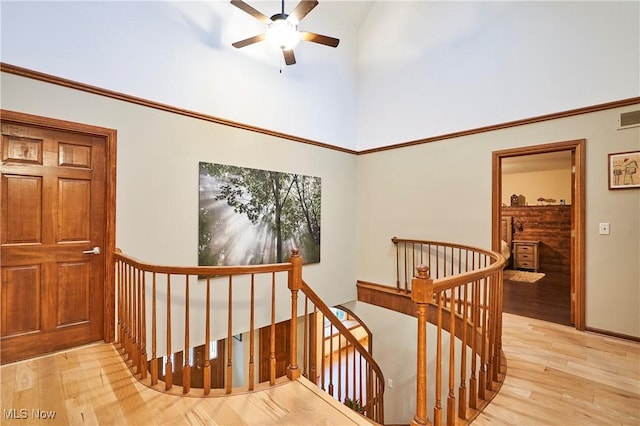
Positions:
{"x": 92, "y": 386}
{"x": 549, "y": 299}
{"x": 559, "y": 376}
{"x": 555, "y": 376}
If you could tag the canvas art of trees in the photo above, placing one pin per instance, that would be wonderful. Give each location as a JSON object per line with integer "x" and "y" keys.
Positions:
{"x": 252, "y": 216}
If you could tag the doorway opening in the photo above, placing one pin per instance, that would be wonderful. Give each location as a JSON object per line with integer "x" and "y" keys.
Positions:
{"x": 530, "y": 250}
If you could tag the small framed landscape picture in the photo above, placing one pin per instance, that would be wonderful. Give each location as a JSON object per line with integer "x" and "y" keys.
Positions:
{"x": 624, "y": 170}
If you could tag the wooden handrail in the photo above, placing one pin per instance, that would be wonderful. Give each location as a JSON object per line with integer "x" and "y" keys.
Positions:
{"x": 204, "y": 270}
{"x": 456, "y": 287}
{"x": 373, "y": 406}
{"x": 463, "y": 286}
{"x": 132, "y": 278}
{"x": 169, "y": 366}
{"x": 360, "y": 324}
{"x": 452, "y": 280}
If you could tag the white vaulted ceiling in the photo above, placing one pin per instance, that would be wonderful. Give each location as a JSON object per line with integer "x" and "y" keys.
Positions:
{"x": 404, "y": 70}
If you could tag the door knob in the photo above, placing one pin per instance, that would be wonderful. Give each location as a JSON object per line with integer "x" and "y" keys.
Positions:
{"x": 95, "y": 250}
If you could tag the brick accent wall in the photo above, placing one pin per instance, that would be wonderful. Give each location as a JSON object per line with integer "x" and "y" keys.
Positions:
{"x": 551, "y": 225}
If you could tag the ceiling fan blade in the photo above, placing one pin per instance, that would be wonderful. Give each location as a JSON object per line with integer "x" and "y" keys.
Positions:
{"x": 303, "y": 8}
{"x": 318, "y": 38}
{"x": 248, "y": 41}
{"x": 289, "y": 57}
{"x": 251, "y": 11}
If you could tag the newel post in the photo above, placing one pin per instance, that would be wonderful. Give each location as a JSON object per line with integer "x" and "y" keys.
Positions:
{"x": 421, "y": 294}
{"x": 295, "y": 284}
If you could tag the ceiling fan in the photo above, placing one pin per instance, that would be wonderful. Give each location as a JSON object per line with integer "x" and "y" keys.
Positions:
{"x": 282, "y": 29}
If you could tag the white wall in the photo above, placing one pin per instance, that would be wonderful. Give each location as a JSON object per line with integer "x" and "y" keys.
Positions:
{"x": 404, "y": 70}
{"x": 395, "y": 351}
{"x": 444, "y": 66}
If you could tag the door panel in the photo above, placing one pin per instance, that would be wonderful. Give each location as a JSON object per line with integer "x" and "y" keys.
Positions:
{"x": 282, "y": 350}
{"x": 22, "y": 288}
{"x": 53, "y": 211}
{"x": 73, "y": 293}
{"x": 22, "y": 209}
{"x": 74, "y": 210}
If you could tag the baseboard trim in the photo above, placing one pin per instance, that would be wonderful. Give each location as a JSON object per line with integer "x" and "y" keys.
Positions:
{"x": 613, "y": 334}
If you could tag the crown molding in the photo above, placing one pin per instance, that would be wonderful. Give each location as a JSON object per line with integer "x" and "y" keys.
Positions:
{"x": 36, "y": 75}
{"x": 48, "y": 78}
{"x": 516, "y": 123}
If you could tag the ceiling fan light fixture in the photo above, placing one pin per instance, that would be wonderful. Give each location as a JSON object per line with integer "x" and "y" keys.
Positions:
{"x": 282, "y": 29}
{"x": 282, "y": 33}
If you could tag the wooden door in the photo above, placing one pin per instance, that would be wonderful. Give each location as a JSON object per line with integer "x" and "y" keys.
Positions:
{"x": 52, "y": 194}
{"x": 216, "y": 364}
{"x": 282, "y": 349}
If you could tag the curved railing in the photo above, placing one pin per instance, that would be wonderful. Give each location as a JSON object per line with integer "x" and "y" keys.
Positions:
{"x": 349, "y": 372}
{"x": 457, "y": 289}
{"x": 361, "y": 323}
{"x": 171, "y": 318}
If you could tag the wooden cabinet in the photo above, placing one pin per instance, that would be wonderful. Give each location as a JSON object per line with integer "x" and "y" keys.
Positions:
{"x": 525, "y": 254}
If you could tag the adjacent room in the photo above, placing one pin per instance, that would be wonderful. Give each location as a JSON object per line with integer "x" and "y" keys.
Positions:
{"x": 536, "y": 213}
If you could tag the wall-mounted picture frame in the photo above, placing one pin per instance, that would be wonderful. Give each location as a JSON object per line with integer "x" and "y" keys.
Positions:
{"x": 624, "y": 170}
{"x": 252, "y": 216}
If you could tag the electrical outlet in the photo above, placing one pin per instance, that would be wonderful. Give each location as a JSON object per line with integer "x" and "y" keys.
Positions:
{"x": 389, "y": 383}
{"x": 604, "y": 229}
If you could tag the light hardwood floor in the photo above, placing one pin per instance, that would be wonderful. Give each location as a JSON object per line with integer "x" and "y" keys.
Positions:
{"x": 93, "y": 386}
{"x": 559, "y": 376}
{"x": 555, "y": 376}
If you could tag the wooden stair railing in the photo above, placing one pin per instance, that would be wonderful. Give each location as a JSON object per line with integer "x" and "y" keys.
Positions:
{"x": 146, "y": 339}
{"x": 367, "y": 330}
{"x": 347, "y": 370}
{"x": 462, "y": 286}
{"x": 456, "y": 289}
{"x": 161, "y": 308}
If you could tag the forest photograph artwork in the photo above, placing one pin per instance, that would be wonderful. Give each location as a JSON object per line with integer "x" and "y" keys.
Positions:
{"x": 251, "y": 216}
